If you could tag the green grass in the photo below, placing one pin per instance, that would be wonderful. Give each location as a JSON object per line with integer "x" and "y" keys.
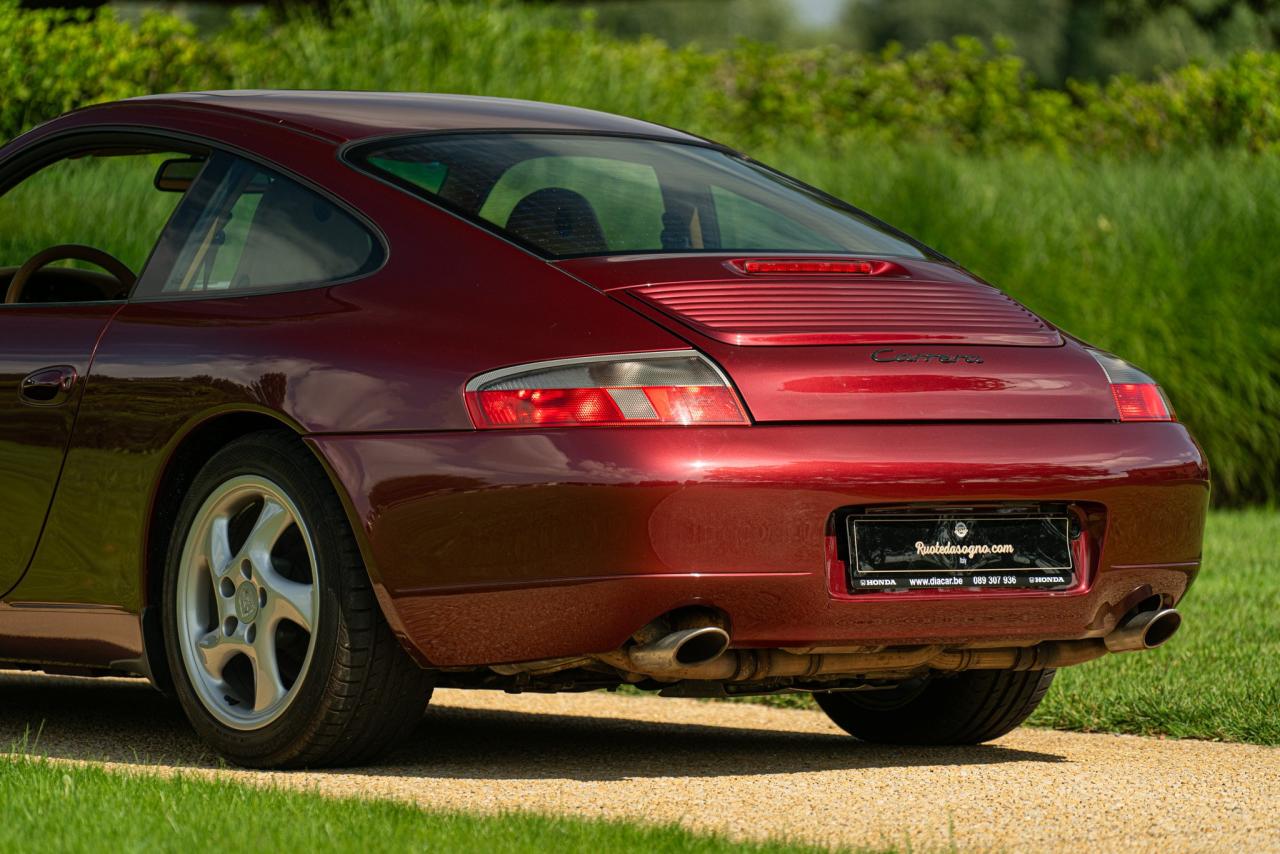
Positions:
{"x": 1217, "y": 679}
{"x": 105, "y": 202}
{"x": 53, "y": 807}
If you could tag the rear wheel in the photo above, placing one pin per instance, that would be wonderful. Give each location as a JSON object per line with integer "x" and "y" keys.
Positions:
{"x": 961, "y": 708}
{"x": 280, "y": 654}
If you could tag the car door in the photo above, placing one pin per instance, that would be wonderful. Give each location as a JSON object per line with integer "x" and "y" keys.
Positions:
{"x": 44, "y": 359}
{"x": 54, "y": 202}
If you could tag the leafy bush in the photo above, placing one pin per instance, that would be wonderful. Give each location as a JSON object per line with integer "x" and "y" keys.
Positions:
{"x": 959, "y": 93}
{"x": 1065, "y": 39}
{"x": 54, "y": 61}
{"x": 469, "y": 48}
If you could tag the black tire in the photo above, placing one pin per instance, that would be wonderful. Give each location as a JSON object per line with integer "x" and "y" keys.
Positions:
{"x": 360, "y": 693}
{"x": 962, "y": 708}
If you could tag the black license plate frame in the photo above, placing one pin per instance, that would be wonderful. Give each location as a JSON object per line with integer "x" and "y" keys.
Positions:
{"x": 969, "y": 551}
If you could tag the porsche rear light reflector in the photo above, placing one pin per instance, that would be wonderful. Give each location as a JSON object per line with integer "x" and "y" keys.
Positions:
{"x": 1139, "y": 402}
{"x": 1137, "y": 396}
{"x": 680, "y": 387}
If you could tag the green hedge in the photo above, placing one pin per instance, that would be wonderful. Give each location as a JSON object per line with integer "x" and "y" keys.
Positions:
{"x": 1141, "y": 216}
{"x": 959, "y": 93}
{"x": 52, "y": 61}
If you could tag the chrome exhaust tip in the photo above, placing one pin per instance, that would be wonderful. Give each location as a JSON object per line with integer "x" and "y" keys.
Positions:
{"x": 1145, "y": 630}
{"x": 684, "y": 648}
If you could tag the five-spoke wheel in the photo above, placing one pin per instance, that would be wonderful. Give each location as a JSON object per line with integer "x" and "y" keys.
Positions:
{"x": 279, "y": 653}
{"x": 247, "y": 601}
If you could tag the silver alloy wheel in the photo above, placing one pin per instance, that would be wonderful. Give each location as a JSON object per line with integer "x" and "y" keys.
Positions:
{"x": 248, "y": 600}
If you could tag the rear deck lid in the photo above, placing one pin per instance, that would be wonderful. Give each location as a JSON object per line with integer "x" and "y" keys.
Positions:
{"x": 767, "y": 302}
{"x": 891, "y": 339}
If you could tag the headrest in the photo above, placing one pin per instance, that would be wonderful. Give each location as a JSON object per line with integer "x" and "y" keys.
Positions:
{"x": 559, "y": 221}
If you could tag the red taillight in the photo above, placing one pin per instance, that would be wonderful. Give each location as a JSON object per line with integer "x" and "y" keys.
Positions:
{"x": 665, "y": 388}
{"x": 1140, "y": 402}
{"x": 784, "y": 266}
{"x": 1137, "y": 396}
{"x": 544, "y": 406}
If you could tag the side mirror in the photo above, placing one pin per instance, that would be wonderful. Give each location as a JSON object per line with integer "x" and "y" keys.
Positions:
{"x": 176, "y": 176}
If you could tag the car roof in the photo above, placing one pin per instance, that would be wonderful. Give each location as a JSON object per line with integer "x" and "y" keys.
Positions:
{"x": 350, "y": 116}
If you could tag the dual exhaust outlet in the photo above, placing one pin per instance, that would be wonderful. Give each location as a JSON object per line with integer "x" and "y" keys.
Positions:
{"x": 701, "y": 652}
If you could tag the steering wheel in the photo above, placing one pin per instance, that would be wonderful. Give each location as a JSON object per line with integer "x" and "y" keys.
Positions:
{"x": 67, "y": 252}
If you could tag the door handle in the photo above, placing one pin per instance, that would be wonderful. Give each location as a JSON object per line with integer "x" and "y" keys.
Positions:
{"x": 48, "y": 386}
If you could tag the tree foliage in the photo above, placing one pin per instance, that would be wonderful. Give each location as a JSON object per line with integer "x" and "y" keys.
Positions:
{"x": 1079, "y": 39}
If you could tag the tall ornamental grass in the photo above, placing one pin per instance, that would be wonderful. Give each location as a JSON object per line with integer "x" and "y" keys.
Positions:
{"x": 1169, "y": 262}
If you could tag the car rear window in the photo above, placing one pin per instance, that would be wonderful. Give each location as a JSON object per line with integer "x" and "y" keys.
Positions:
{"x": 567, "y": 196}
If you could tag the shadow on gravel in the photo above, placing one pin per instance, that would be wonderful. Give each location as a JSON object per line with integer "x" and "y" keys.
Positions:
{"x": 128, "y": 722}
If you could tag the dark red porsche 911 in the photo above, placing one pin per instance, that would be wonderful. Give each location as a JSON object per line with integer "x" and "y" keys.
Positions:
{"x": 313, "y": 402}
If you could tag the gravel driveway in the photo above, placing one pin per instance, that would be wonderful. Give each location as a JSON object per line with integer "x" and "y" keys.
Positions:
{"x": 740, "y": 769}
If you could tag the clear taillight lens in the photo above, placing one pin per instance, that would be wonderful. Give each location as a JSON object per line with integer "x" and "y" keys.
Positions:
{"x": 679, "y": 387}
{"x": 1137, "y": 396}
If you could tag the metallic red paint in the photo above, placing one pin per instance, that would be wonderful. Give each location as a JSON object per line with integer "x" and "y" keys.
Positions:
{"x": 537, "y": 544}
{"x": 357, "y": 115}
{"x": 961, "y": 380}
{"x": 798, "y": 310}
{"x": 522, "y": 544}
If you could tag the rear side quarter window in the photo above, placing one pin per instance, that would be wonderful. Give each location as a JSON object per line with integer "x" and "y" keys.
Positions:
{"x": 244, "y": 228}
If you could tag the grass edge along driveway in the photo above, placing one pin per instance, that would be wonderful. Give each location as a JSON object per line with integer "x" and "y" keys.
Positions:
{"x": 56, "y": 806}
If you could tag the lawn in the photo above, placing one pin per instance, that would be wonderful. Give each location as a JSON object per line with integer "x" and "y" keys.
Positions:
{"x": 1217, "y": 679}
{"x": 52, "y": 807}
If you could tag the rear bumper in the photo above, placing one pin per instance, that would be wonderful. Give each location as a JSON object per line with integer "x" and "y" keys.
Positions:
{"x": 522, "y": 545}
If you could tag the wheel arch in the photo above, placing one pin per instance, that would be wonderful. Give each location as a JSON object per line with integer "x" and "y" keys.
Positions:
{"x": 201, "y": 439}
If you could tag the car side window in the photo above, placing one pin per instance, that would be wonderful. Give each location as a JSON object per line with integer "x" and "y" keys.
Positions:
{"x": 247, "y": 228}
{"x": 81, "y": 228}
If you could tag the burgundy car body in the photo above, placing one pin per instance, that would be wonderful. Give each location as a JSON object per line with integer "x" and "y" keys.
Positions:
{"x": 492, "y": 546}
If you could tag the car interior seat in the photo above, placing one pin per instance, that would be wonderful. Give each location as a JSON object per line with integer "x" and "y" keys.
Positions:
{"x": 558, "y": 220}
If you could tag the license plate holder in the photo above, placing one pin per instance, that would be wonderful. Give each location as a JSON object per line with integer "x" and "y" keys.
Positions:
{"x": 971, "y": 551}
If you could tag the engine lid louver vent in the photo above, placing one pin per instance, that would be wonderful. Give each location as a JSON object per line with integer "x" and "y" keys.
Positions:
{"x": 880, "y": 311}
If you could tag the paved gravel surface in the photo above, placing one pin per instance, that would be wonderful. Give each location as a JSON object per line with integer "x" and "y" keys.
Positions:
{"x": 745, "y": 770}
